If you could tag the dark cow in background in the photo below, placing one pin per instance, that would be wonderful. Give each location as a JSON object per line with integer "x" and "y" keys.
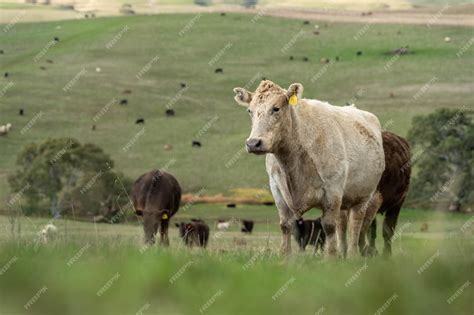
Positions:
{"x": 195, "y": 233}
{"x": 393, "y": 189}
{"x": 309, "y": 232}
{"x": 156, "y": 196}
{"x": 247, "y": 226}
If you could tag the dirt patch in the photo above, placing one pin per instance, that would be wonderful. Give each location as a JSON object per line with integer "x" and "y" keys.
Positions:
{"x": 461, "y": 15}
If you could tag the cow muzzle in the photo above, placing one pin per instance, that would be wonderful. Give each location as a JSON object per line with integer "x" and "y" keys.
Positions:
{"x": 255, "y": 145}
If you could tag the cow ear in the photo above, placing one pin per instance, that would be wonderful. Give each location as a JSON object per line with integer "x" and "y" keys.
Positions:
{"x": 295, "y": 89}
{"x": 242, "y": 96}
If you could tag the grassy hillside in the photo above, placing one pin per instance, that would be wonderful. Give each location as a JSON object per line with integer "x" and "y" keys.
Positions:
{"x": 246, "y": 51}
{"x": 102, "y": 269}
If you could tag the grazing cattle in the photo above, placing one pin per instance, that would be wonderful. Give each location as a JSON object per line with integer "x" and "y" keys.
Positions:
{"x": 222, "y": 13}
{"x": 196, "y": 144}
{"x": 317, "y": 155}
{"x": 49, "y": 61}
{"x": 56, "y": 39}
{"x": 231, "y": 205}
{"x": 292, "y": 58}
{"x": 219, "y": 70}
{"x": 247, "y": 226}
{"x": 305, "y": 22}
{"x": 183, "y": 85}
{"x": 392, "y": 191}
{"x": 305, "y": 59}
{"x": 309, "y": 232}
{"x": 316, "y": 33}
{"x": 223, "y": 225}
{"x": 1, "y": 52}
{"x": 4, "y": 130}
{"x": 140, "y": 121}
{"x": 156, "y": 196}
{"x": 93, "y": 127}
{"x": 21, "y": 112}
{"x": 127, "y": 91}
{"x": 169, "y": 112}
{"x": 6, "y": 74}
{"x": 337, "y": 58}
{"x": 195, "y": 233}
{"x": 124, "y": 101}
{"x": 167, "y": 147}
{"x": 359, "y": 53}
{"x": 42, "y": 67}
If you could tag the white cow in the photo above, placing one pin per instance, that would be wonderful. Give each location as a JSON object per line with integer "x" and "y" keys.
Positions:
{"x": 223, "y": 226}
{"x": 48, "y": 233}
{"x": 5, "y": 129}
{"x": 317, "y": 155}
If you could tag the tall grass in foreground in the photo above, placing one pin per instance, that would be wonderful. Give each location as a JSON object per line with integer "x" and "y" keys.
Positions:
{"x": 81, "y": 276}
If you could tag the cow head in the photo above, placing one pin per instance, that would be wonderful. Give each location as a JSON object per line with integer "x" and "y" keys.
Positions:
{"x": 270, "y": 111}
{"x": 151, "y": 222}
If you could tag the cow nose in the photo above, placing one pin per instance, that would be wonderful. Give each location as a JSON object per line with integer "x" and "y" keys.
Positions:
{"x": 254, "y": 144}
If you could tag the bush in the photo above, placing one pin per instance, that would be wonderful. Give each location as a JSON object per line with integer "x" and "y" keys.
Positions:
{"x": 65, "y": 176}
{"x": 249, "y": 3}
{"x": 443, "y": 148}
{"x": 203, "y": 2}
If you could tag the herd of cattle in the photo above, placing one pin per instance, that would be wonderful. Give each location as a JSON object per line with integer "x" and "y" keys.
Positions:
{"x": 317, "y": 155}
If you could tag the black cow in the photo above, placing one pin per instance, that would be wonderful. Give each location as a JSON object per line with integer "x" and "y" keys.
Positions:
{"x": 309, "y": 232}
{"x": 169, "y": 112}
{"x": 195, "y": 233}
{"x": 247, "y": 226}
{"x": 219, "y": 70}
{"x": 196, "y": 144}
{"x": 140, "y": 121}
{"x": 124, "y": 102}
{"x": 156, "y": 196}
{"x": 21, "y": 112}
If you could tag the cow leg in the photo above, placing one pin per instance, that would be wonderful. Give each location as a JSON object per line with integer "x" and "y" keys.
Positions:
{"x": 342, "y": 230}
{"x": 286, "y": 219}
{"x": 330, "y": 223}
{"x": 164, "y": 240}
{"x": 371, "y": 211}
{"x": 356, "y": 220}
{"x": 389, "y": 224}
{"x": 372, "y": 237}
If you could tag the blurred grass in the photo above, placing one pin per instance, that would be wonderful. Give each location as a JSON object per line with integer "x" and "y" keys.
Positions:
{"x": 243, "y": 276}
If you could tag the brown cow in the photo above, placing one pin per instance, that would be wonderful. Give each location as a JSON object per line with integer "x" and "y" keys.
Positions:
{"x": 156, "y": 196}
{"x": 195, "y": 233}
{"x": 392, "y": 188}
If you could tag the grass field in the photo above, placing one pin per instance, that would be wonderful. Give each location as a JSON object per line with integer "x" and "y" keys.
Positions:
{"x": 64, "y": 99}
{"x": 103, "y": 269}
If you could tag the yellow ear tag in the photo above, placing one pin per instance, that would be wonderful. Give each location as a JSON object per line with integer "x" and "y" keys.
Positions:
{"x": 165, "y": 216}
{"x": 293, "y": 100}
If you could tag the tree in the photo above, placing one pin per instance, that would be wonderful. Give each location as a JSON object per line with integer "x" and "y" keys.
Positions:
{"x": 63, "y": 175}
{"x": 443, "y": 147}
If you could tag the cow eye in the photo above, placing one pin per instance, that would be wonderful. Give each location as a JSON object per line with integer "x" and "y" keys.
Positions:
{"x": 275, "y": 109}
{"x": 250, "y": 112}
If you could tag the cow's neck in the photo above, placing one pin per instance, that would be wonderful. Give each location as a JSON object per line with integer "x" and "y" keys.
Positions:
{"x": 296, "y": 165}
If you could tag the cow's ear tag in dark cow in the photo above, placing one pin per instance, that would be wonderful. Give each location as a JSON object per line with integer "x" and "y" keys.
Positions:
{"x": 164, "y": 216}
{"x": 293, "y": 100}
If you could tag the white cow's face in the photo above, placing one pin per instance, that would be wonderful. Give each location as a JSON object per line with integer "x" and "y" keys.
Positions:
{"x": 270, "y": 112}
